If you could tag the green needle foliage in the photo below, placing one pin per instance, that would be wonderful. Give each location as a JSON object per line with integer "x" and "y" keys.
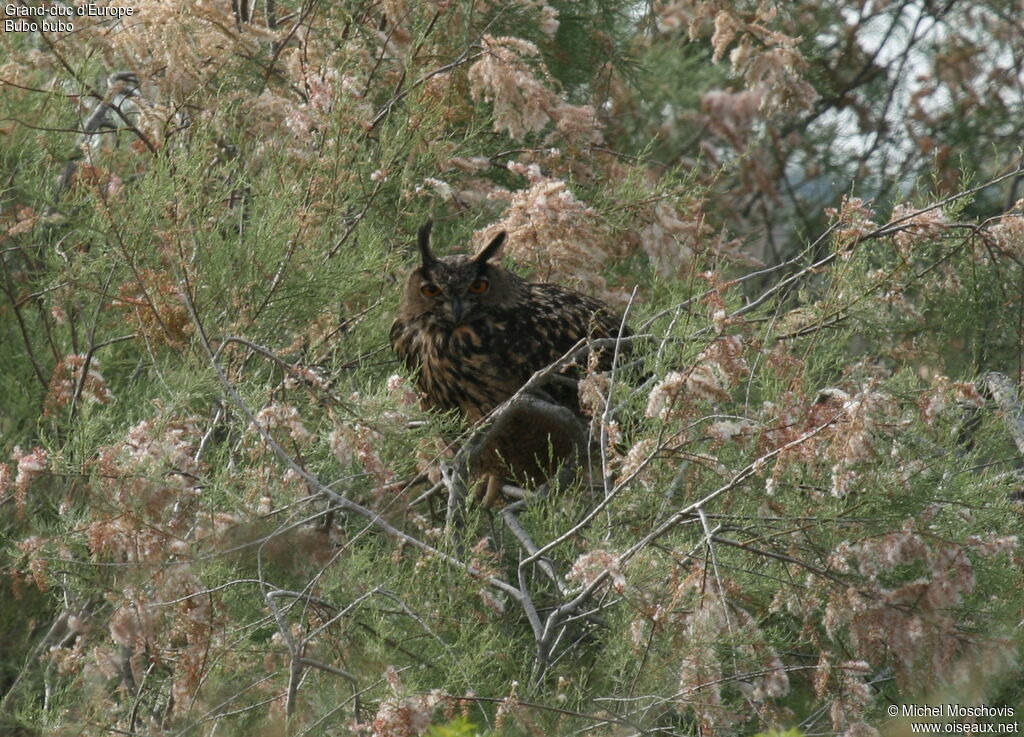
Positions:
{"x": 223, "y": 510}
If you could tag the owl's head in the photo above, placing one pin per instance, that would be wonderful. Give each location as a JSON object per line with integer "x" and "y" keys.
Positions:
{"x": 455, "y": 289}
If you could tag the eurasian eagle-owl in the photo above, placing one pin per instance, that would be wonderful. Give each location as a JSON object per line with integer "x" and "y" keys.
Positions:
{"x": 474, "y": 333}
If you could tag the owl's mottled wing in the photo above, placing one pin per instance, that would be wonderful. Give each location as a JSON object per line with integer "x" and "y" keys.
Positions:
{"x": 550, "y": 323}
{"x": 402, "y": 339}
{"x": 543, "y": 329}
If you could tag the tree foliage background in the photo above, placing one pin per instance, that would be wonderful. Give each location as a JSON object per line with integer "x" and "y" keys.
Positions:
{"x": 222, "y": 511}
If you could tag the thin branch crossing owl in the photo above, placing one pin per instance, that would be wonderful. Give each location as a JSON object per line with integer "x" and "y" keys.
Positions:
{"x": 474, "y": 333}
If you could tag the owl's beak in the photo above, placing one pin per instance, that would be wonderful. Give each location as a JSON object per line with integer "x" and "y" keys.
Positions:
{"x": 456, "y": 303}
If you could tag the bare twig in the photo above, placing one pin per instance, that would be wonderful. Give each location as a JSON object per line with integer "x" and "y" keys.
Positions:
{"x": 508, "y": 516}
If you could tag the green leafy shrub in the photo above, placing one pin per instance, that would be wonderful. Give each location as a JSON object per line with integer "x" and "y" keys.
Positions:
{"x": 224, "y": 511}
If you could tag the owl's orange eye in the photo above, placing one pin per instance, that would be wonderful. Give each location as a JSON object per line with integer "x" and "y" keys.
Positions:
{"x": 430, "y": 290}
{"x": 479, "y": 286}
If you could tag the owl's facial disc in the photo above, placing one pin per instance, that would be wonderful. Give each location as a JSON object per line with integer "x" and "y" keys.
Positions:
{"x": 444, "y": 294}
{"x": 456, "y": 288}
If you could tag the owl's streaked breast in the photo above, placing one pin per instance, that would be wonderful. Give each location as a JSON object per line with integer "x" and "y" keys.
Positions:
{"x": 457, "y": 367}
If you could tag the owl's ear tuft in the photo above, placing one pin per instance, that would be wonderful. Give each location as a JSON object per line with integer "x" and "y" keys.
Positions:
{"x": 423, "y": 240}
{"x": 491, "y": 250}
